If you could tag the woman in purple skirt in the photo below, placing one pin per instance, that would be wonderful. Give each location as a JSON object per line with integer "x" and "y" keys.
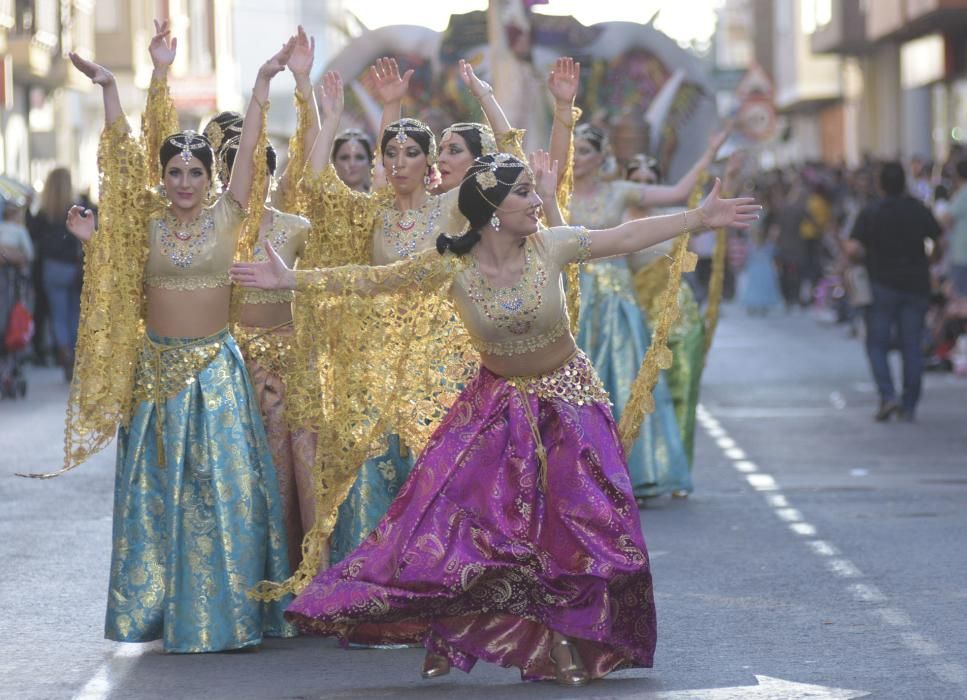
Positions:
{"x": 516, "y": 538}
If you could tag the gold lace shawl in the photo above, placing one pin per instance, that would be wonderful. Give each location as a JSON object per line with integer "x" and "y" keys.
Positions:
{"x": 158, "y": 121}
{"x": 392, "y": 356}
{"x": 112, "y": 310}
{"x": 659, "y": 355}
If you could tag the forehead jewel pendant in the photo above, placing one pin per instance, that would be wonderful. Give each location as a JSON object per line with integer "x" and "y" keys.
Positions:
{"x": 401, "y": 135}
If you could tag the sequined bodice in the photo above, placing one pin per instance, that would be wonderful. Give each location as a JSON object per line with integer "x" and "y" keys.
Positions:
{"x": 400, "y": 235}
{"x": 604, "y": 208}
{"x": 287, "y": 233}
{"x": 196, "y": 256}
{"x": 532, "y": 313}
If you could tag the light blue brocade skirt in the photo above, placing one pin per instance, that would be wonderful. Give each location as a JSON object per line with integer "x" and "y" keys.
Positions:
{"x": 613, "y": 332}
{"x": 194, "y": 533}
{"x": 379, "y": 480}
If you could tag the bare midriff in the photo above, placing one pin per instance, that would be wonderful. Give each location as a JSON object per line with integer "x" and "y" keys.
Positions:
{"x": 534, "y": 363}
{"x": 265, "y": 315}
{"x": 196, "y": 313}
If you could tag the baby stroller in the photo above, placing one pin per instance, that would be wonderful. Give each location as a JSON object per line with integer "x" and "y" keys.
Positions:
{"x": 16, "y": 331}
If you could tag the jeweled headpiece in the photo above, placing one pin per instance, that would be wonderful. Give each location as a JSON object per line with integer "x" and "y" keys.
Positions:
{"x": 488, "y": 144}
{"x": 595, "y": 135}
{"x": 223, "y": 126}
{"x": 188, "y": 141}
{"x": 408, "y": 127}
{"x": 485, "y": 170}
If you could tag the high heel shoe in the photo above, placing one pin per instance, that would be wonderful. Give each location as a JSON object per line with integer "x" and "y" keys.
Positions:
{"x": 435, "y": 666}
{"x": 569, "y": 669}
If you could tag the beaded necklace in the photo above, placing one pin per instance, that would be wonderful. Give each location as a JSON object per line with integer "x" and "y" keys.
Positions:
{"x": 403, "y": 234}
{"x": 276, "y": 235}
{"x": 181, "y": 243}
{"x": 512, "y": 308}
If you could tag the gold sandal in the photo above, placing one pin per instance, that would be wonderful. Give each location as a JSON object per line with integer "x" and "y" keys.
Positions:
{"x": 435, "y": 666}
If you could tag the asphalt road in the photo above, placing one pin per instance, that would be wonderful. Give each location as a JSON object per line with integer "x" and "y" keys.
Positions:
{"x": 819, "y": 549}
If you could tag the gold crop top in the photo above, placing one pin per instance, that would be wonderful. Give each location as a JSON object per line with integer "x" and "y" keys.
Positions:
{"x": 604, "y": 208}
{"x": 196, "y": 256}
{"x": 532, "y": 314}
{"x": 400, "y": 235}
{"x": 287, "y": 233}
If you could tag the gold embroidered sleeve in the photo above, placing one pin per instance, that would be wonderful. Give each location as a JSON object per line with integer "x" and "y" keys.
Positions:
{"x": 659, "y": 355}
{"x": 512, "y": 142}
{"x": 565, "y": 186}
{"x": 386, "y": 354}
{"x": 159, "y": 120}
{"x": 110, "y": 328}
{"x": 288, "y": 195}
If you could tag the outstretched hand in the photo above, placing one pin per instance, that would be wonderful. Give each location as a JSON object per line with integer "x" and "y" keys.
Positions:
{"x": 728, "y": 213}
{"x": 545, "y": 174}
{"x": 303, "y": 54}
{"x": 478, "y": 88}
{"x": 163, "y": 46}
{"x": 274, "y": 274}
{"x": 98, "y": 74}
{"x": 80, "y": 223}
{"x": 563, "y": 80}
{"x": 384, "y": 83}
{"x": 330, "y": 96}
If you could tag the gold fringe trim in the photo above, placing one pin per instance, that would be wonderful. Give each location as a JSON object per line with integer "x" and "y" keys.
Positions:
{"x": 715, "y": 286}
{"x": 659, "y": 355}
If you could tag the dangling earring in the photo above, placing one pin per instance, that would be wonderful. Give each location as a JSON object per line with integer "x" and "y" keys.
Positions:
{"x": 163, "y": 192}
{"x": 426, "y": 180}
{"x": 495, "y": 222}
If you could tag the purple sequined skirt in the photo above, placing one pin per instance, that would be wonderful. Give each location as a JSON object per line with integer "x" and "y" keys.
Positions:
{"x": 488, "y": 548}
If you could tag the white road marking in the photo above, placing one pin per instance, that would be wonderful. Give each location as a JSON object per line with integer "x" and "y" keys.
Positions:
{"x": 823, "y": 548}
{"x": 790, "y": 515}
{"x": 867, "y": 593}
{"x": 843, "y": 568}
{"x": 102, "y": 683}
{"x": 949, "y": 672}
{"x": 767, "y": 689}
{"x": 894, "y": 617}
{"x": 762, "y": 482}
{"x": 777, "y": 500}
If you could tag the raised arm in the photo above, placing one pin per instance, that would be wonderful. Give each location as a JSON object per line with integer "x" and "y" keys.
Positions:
{"x": 160, "y": 118}
{"x": 563, "y": 81}
{"x": 100, "y": 75}
{"x": 307, "y": 121}
{"x": 240, "y": 186}
{"x": 330, "y": 100}
{"x": 484, "y": 94}
{"x": 545, "y": 182}
{"x": 638, "y": 234}
{"x": 667, "y": 195}
{"x": 384, "y": 82}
